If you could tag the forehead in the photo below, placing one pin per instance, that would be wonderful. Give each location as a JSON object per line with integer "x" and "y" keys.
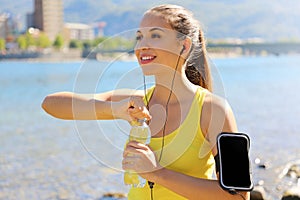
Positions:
{"x": 151, "y": 20}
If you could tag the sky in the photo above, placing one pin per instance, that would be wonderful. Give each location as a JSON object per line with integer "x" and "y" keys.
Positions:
{"x": 268, "y": 19}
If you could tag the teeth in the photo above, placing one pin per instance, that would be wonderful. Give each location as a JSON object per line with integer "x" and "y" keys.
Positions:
{"x": 147, "y": 57}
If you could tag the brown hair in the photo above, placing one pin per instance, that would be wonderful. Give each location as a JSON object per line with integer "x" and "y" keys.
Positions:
{"x": 181, "y": 20}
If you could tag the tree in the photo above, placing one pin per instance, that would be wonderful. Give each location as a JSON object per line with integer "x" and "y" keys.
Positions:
{"x": 30, "y": 41}
{"x": 43, "y": 41}
{"x": 114, "y": 43}
{"x": 87, "y": 44}
{"x": 22, "y": 42}
{"x": 75, "y": 44}
{"x": 98, "y": 41}
{"x": 2, "y": 44}
{"x": 58, "y": 42}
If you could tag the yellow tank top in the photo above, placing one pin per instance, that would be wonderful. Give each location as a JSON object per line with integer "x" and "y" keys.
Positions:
{"x": 185, "y": 151}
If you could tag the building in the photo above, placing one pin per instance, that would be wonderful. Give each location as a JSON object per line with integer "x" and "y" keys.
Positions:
{"x": 3, "y": 26}
{"x": 77, "y": 31}
{"x": 48, "y": 17}
{"x": 99, "y": 28}
{"x": 30, "y": 20}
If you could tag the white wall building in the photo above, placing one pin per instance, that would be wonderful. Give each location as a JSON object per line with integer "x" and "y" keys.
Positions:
{"x": 77, "y": 31}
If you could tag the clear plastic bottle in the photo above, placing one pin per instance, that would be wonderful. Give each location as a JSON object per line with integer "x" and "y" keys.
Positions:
{"x": 139, "y": 132}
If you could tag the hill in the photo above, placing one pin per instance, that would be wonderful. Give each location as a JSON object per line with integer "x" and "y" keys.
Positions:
{"x": 268, "y": 19}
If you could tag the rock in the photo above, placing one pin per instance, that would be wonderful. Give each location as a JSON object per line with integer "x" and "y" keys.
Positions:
{"x": 260, "y": 182}
{"x": 263, "y": 165}
{"x": 260, "y": 164}
{"x": 291, "y": 170}
{"x": 63, "y": 194}
{"x": 258, "y": 193}
{"x": 292, "y": 194}
{"x": 2, "y": 195}
{"x": 113, "y": 196}
{"x": 294, "y": 171}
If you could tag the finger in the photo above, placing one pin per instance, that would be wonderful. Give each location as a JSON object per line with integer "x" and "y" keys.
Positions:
{"x": 130, "y": 151}
{"x": 136, "y": 105}
{"x": 137, "y": 152}
{"x": 131, "y": 117}
{"x": 128, "y": 163}
{"x": 136, "y": 101}
{"x": 139, "y": 114}
{"x": 135, "y": 114}
{"x": 137, "y": 110}
{"x": 137, "y": 145}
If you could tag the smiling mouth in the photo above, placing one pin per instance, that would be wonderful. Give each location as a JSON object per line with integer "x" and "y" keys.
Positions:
{"x": 147, "y": 59}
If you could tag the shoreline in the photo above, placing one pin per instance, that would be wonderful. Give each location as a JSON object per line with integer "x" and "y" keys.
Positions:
{"x": 214, "y": 50}
{"x": 66, "y": 57}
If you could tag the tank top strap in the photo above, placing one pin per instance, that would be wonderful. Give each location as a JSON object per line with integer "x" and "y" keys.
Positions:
{"x": 205, "y": 148}
{"x": 148, "y": 95}
{"x": 200, "y": 95}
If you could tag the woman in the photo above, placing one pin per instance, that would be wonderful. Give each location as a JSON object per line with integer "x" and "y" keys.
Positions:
{"x": 185, "y": 117}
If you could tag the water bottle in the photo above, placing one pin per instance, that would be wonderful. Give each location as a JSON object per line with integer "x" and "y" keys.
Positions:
{"x": 139, "y": 132}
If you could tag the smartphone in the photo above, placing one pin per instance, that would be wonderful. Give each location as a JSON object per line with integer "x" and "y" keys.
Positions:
{"x": 235, "y": 168}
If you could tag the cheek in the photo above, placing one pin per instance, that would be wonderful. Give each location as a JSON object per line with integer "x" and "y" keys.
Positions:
{"x": 170, "y": 45}
{"x": 167, "y": 57}
{"x": 167, "y": 47}
{"x": 136, "y": 54}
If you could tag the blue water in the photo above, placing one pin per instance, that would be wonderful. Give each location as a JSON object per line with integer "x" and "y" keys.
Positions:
{"x": 42, "y": 157}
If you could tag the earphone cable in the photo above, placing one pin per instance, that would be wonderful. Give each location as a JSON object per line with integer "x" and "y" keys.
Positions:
{"x": 167, "y": 108}
{"x": 167, "y": 103}
{"x": 151, "y": 184}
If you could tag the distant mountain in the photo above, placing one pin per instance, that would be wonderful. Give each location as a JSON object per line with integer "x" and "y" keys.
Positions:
{"x": 267, "y": 19}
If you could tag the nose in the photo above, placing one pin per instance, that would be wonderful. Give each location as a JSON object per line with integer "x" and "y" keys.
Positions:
{"x": 142, "y": 44}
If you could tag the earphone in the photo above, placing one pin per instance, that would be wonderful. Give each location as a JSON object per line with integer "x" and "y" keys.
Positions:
{"x": 182, "y": 50}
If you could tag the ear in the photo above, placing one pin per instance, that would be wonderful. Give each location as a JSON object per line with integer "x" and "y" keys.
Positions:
{"x": 187, "y": 44}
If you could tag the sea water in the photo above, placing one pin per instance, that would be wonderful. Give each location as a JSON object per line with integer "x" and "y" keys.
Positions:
{"x": 42, "y": 157}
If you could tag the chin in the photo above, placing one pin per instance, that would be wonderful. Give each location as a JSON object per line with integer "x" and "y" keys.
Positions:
{"x": 151, "y": 69}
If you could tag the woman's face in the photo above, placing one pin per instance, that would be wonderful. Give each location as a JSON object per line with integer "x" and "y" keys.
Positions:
{"x": 157, "y": 48}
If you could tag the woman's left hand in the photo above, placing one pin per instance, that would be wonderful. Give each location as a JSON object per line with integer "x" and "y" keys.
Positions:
{"x": 140, "y": 158}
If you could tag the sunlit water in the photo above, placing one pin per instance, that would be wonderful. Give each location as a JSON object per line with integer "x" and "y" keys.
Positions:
{"x": 46, "y": 158}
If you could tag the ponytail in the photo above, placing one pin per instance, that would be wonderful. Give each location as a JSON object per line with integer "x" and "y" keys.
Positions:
{"x": 197, "y": 67}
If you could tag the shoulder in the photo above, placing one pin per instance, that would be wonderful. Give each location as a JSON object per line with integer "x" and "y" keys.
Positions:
{"x": 216, "y": 117}
{"x": 212, "y": 101}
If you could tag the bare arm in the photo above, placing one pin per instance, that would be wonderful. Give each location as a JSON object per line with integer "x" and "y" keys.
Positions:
{"x": 194, "y": 188}
{"x": 108, "y": 105}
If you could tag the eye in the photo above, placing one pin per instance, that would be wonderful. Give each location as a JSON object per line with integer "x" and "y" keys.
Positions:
{"x": 138, "y": 37}
{"x": 155, "y": 35}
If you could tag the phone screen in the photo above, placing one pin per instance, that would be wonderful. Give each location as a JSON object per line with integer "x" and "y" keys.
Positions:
{"x": 235, "y": 172}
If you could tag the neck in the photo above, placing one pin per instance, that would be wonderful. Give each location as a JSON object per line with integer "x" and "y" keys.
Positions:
{"x": 173, "y": 81}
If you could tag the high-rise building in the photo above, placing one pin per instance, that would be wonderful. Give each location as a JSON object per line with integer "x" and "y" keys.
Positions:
{"x": 3, "y": 26}
{"x": 48, "y": 17}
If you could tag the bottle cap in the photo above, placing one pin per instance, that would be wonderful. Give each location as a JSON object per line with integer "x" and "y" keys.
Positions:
{"x": 142, "y": 120}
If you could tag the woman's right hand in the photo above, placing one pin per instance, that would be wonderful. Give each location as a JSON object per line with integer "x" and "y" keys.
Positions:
{"x": 131, "y": 109}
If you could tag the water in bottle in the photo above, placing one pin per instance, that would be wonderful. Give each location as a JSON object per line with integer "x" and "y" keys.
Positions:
{"x": 139, "y": 132}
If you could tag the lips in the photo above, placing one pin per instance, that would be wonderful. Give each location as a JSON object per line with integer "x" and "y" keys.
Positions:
{"x": 145, "y": 59}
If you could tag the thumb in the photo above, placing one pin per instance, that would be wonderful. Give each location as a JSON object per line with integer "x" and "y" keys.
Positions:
{"x": 137, "y": 109}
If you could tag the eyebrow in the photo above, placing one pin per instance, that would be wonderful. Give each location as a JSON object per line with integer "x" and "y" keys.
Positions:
{"x": 152, "y": 29}
{"x": 157, "y": 29}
